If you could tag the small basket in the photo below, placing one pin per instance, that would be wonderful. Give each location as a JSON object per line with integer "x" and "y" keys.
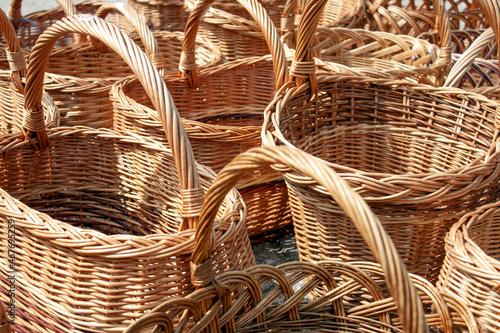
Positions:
{"x": 421, "y": 157}
{"x": 105, "y": 223}
{"x": 348, "y": 298}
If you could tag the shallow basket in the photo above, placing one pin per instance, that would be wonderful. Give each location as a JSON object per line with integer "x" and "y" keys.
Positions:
{"x": 420, "y": 156}
{"x": 263, "y": 298}
{"x": 105, "y": 223}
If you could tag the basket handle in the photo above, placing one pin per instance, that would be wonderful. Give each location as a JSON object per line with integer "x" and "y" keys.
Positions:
{"x": 149, "y": 77}
{"x": 15, "y": 56}
{"x": 187, "y": 64}
{"x": 4, "y": 321}
{"x": 139, "y": 24}
{"x": 405, "y": 295}
{"x": 17, "y": 66}
{"x": 17, "y": 18}
{"x": 467, "y": 58}
{"x": 490, "y": 10}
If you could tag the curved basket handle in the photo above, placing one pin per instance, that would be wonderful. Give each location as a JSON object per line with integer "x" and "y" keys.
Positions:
{"x": 491, "y": 10}
{"x": 405, "y": 295}
{"x": 187, "y": 64}
{"x": 15, "y": 56}
{"x": 303, "y": 68}
{"x": 15, "y": 10}
{"x": 149, "y": 77}
{"x": 467, "y": 58}
{"x": 140, "y": 26}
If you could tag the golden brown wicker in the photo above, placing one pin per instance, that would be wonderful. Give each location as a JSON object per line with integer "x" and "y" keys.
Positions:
{"x": 471, "y": 269}
{"x": 4, "y": 320}
{"x": 104, "y": 223}
{"x": 223, "y": 116}
{"x": 81, "y": 74}
{"x": 164, "y": 15}
{"x": 420, "y": 156}
{"x": 379, "y": 54}
{"x": 12, "y": 88}
{"x": 474, "y": 73}
{"x": 275, "y": 299}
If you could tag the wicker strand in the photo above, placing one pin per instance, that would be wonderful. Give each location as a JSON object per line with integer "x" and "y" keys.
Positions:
{"x": 202, "y": 275}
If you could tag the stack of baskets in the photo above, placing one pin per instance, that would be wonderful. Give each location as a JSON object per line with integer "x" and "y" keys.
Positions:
{"x": 370, "y": 128}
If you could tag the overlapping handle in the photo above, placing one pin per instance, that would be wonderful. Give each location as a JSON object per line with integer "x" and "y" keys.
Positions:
{"x": 187, "y": 64}
{"x": 405, "y": 295}
{"x": 140, "y": 26}
{"x": 467, "y": 58}
{"x": 147, "y": 74}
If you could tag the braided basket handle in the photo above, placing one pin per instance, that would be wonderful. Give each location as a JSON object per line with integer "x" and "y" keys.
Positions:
{"x": 187, "y": 65}
{"x": 139, "y": 24}
{"x": 405, "y": 295}
{"x": 147, "y": 74}
{"x": 15, "y": 10}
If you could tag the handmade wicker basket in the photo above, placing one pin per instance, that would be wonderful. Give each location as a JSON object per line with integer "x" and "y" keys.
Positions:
{"x": 105, "y": 223}
{"x": 275, "y": 299}
{"x": 471, "y": 269}
{"x": 222, "y": 112}
{"x": 12, "y": 88}
{"x": 420, "y": 156}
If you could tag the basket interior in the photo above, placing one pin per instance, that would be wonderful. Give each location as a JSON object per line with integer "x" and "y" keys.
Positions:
{"x": 377, "y": 129}
{"x": 97, "y": 183}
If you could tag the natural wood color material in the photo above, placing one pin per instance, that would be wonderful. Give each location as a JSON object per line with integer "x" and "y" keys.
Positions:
{"x": 222, "y": 114}
{"x": 355, "y": 298}
{"x": 81, "y": 73}
{"x": 105, "y": 222}
{"x": 420, "y": 156}
{"x": 471, "y": 270}
{"x": 12, "y": 88}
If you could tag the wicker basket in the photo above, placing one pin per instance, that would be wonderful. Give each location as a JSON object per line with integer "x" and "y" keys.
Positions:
{"x": 420, "y": 156}
{"x": 12, "y": 88}
{"x": 223, "y": 117}
{"x": 105, "y": 223}
{"x": 164, "y": 15}
{"x": 274, "y": 299}
{"x": 379, "y": 54}
{"x": 82, "y": 74}
{"x": 471, "y": 269}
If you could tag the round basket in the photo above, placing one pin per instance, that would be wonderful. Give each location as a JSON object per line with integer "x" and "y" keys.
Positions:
{"x": 105, "y": 223}
{"x": 420, "y": 156}
{"x": 276, "y": 299}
